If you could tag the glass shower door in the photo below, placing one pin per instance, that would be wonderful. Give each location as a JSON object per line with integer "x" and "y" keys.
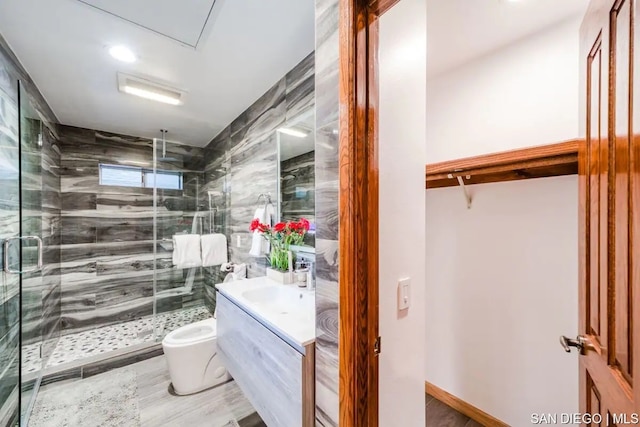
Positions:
{"x": 180, "y": 207}
{"x": 21, "y": 247}
{"x": 33, "y": 292}
{"x": 9, "y": 231}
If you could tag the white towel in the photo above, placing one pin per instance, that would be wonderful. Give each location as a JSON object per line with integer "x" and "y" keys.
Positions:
{"x": 269, "y": 213}
{"x": 186, "y": 251}
{"x": 214, "y": 249}
{"x": 257, "y": 239}
{"x": 260, "y": 245}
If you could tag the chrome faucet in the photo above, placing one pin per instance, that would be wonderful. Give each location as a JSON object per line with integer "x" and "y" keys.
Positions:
{"x": 311, "y": 276}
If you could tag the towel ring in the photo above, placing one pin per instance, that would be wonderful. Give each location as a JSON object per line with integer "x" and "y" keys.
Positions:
{"x": 267, "y": 198}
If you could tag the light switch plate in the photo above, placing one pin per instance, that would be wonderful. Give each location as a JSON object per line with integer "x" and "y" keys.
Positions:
{"x": 404, "y": 294}
{"x": 238, "y": 241}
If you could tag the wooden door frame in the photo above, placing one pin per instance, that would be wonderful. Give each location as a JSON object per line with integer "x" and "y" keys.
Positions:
{"x": 358, "y": 210}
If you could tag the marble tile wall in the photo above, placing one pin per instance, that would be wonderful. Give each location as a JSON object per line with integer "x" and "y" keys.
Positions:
{"x": 41, "y": 212}
{"x": 50, "y": 208}
{"x": 327, "y": 187}
{"x": 241, "y": 163}
{"x": 107, "y": 245}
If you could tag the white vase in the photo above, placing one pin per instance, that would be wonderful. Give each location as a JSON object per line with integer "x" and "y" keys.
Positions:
{"x": 284, "y": 277}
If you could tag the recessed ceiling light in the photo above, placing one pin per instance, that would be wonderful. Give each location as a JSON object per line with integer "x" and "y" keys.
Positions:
{"x": 293, "y": 132}
{"x": 122, "y": 53}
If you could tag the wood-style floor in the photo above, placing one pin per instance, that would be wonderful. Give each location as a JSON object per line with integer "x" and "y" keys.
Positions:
{"x": 225, "y": 405}
{"x": 441, "y": 415}
{"x": 222, "y": 406}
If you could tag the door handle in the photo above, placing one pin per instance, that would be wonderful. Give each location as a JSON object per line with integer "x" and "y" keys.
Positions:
{"x": 580, "y": 342}
{"x": 37, "y": 267}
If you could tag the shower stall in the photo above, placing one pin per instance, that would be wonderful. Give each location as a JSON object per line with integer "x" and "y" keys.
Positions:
{"x": 86, "y": 226}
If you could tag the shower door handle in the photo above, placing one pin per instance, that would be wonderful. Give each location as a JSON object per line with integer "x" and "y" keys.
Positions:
{"x": 7, "y": 243}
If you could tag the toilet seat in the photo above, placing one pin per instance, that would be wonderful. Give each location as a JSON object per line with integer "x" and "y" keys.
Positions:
{"x": 193, "y": 333}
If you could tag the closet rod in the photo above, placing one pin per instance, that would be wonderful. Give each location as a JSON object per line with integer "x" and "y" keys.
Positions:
{"x": 526, "y": 163}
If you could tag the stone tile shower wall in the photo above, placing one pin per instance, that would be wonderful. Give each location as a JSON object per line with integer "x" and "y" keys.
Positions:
{"x": 327, "y": 185}
{"x": 107, "y": 245}
{"x": 242, "y": 164}
{"x": 41, "y": 186}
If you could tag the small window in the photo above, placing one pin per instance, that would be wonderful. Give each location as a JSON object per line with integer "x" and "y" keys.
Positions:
{"x": 127, "y": 176}
{"x": 122, "y": 176}
{"x": 164, "y": 179}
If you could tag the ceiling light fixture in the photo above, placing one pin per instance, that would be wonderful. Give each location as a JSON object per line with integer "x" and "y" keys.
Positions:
{"x": 293, "y": 132}
{"x": 147, "y": 89}
{"x": 154, "y": 96}
{"x": 122, "y": 53}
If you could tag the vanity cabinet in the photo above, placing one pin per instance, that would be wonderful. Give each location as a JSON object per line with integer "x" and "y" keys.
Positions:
{"x": 278, "y": 380}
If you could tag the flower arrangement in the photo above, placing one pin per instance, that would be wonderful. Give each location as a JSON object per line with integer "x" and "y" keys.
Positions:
{"x": 281, "y": 236}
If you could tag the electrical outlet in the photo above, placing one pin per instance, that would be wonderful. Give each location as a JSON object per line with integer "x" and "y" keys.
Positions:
{"x": 238, "y": 241}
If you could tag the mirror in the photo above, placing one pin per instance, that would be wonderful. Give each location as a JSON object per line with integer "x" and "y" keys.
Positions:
{"x": 296, "y": 170}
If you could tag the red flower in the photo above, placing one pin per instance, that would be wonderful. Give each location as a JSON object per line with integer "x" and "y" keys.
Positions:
{"x": 279, "y": 227}
{"x": 303, "y": 224}
{"x": 257, "y": 225}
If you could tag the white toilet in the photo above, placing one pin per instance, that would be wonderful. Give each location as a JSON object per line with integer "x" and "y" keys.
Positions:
{"x": 193, "y": 359}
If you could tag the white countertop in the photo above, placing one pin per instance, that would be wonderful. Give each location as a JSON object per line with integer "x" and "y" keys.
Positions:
{"x": 286, "y": 310}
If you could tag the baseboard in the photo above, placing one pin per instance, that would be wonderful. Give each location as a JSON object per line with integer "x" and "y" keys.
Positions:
{"x": 462, "y": 406}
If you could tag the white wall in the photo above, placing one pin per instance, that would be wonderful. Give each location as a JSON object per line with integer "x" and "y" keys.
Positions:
{"x": 501, "y": 289}
{"x": 502, "y": 276}
{"x": 522, "y": 95}
{"x": 402, "y": 211}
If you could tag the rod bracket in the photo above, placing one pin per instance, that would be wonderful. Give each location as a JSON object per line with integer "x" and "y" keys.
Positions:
{"x": 465, "y": 190}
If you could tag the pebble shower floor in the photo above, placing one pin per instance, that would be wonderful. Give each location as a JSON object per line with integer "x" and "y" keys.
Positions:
{"x": 109, "y": 338}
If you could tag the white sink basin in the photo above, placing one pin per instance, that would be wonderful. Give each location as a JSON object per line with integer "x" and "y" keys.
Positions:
{"x": 282, "y": 300}
{"x": 287, "y": 310}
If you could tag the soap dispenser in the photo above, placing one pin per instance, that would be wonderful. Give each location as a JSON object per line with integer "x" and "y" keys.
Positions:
{"x": 301, "y": 274}
{"x": 311, "y": 276}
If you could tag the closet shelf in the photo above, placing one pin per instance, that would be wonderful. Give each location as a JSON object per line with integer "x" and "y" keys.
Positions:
{"x": 533, "y": 162}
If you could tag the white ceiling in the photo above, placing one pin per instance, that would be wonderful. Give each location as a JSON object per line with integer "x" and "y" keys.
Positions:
{"x": 183, "y": 24}
{"x": 245, "y": 47}
{"x": 459, "y": 31}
